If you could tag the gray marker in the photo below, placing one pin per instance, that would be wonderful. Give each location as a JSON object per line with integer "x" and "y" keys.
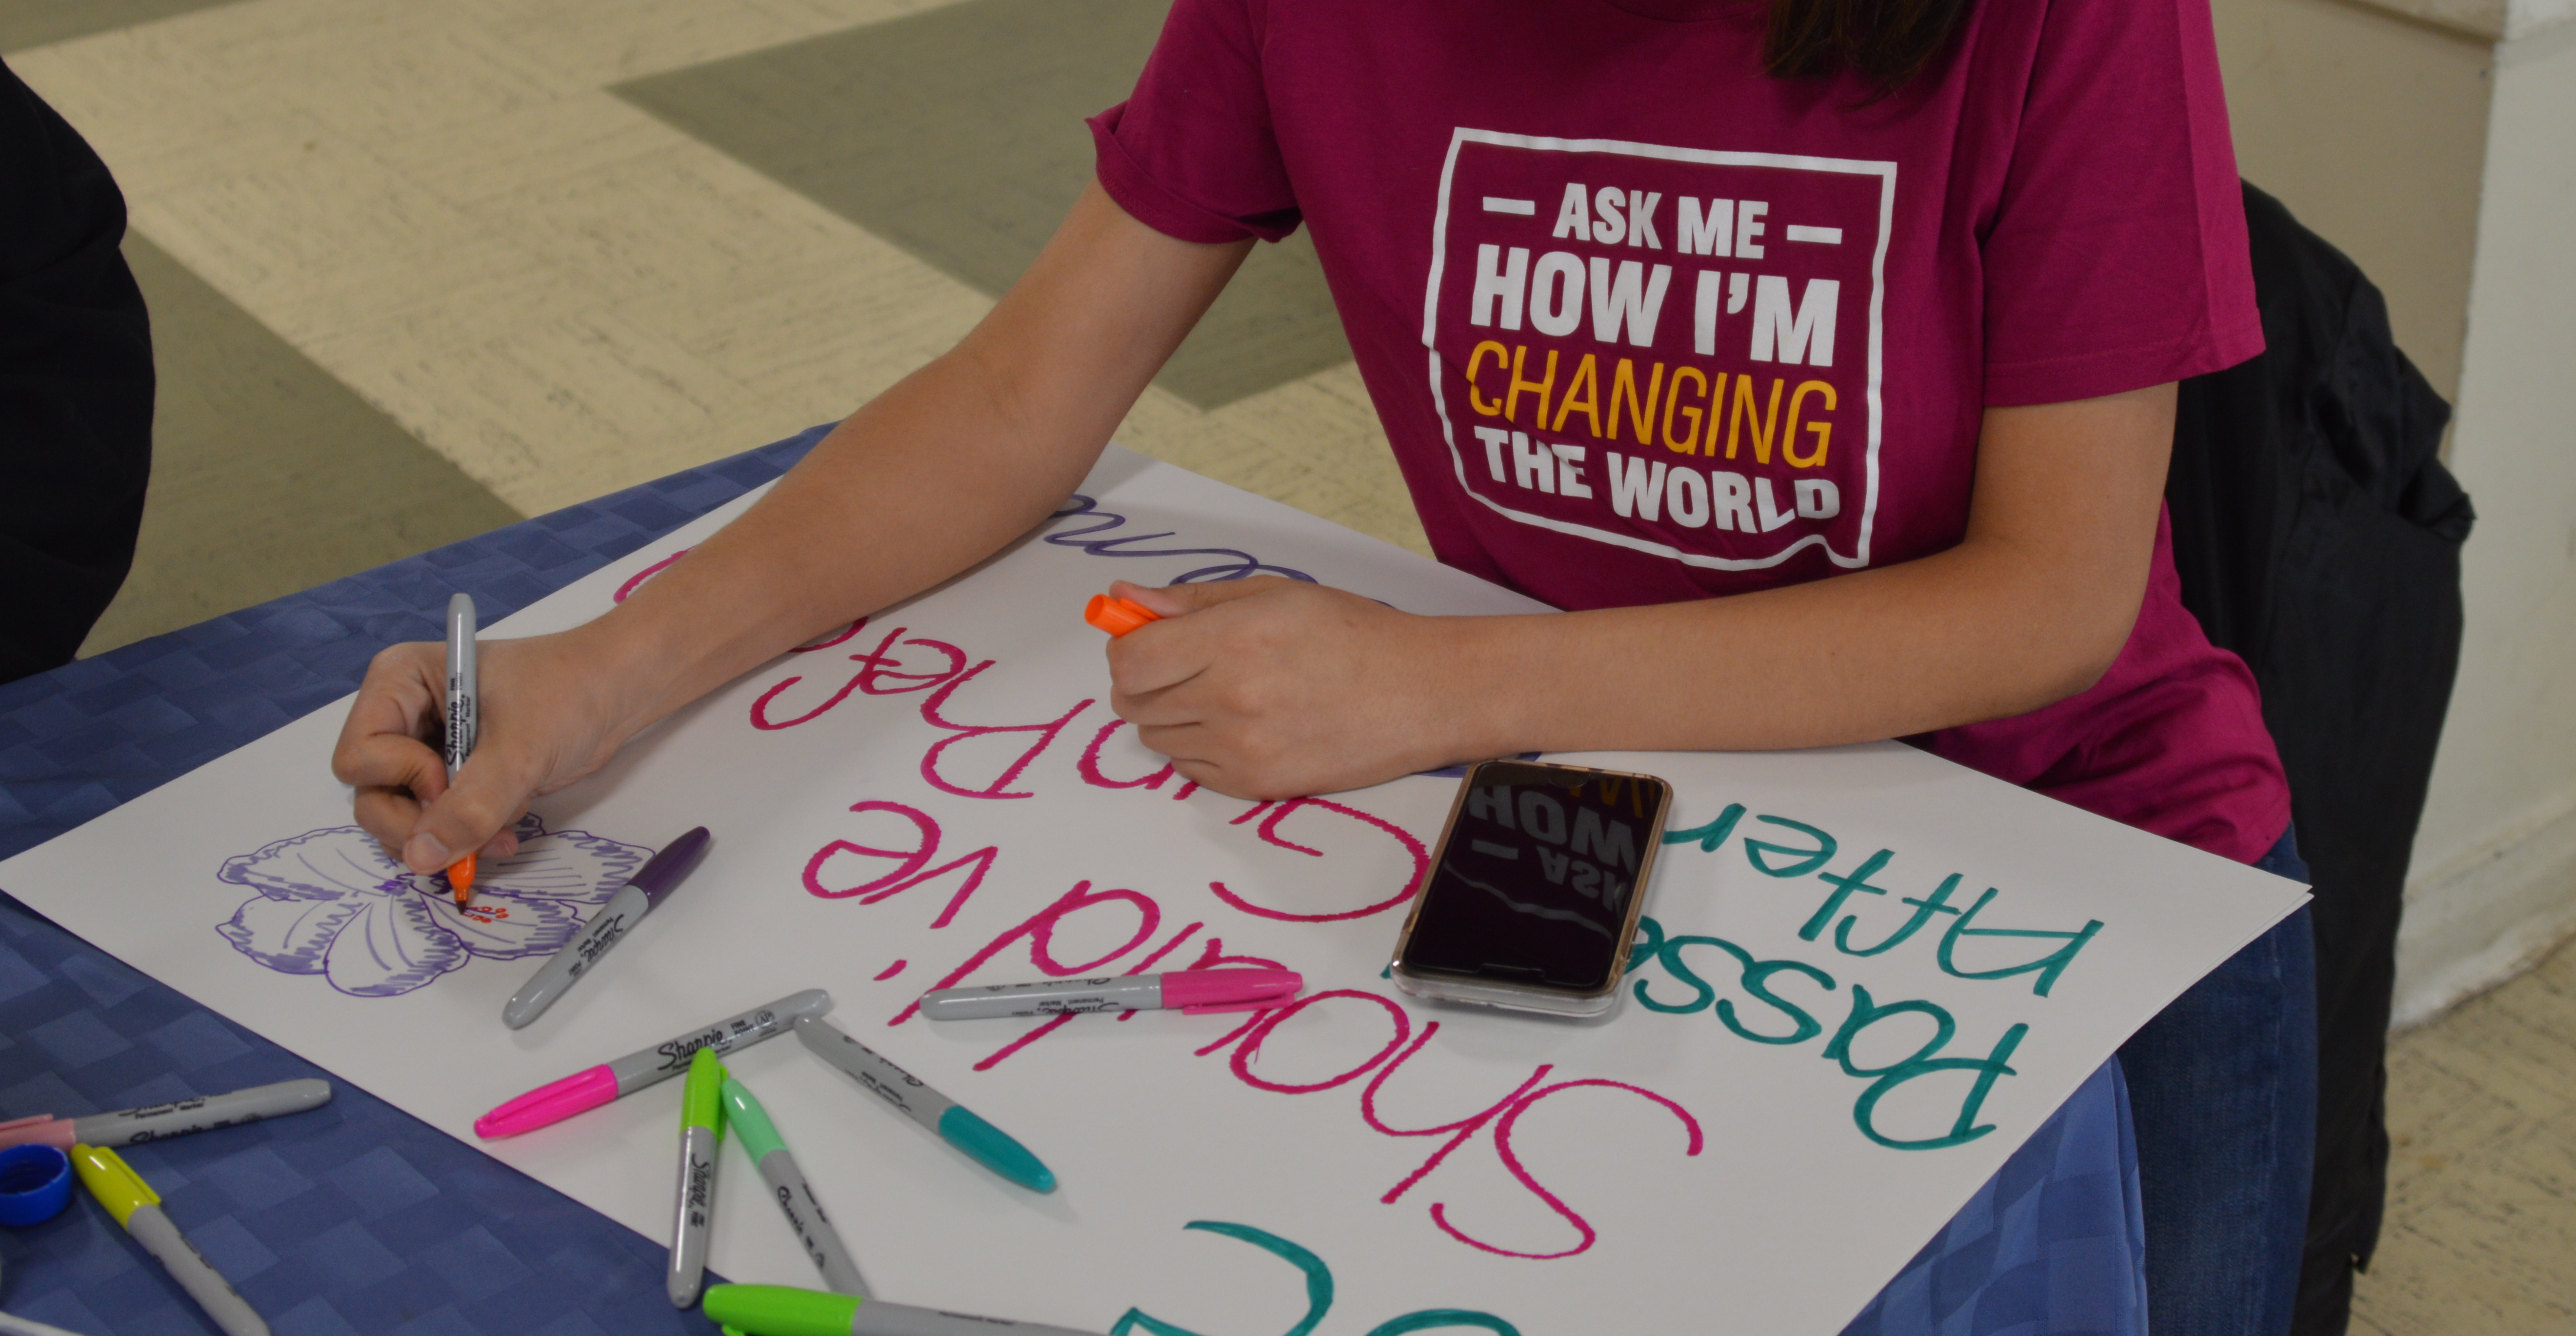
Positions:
{"x": 701, "y": 1136}
{"x": 749, "y": 1122}
{"x": 644, "y": 891}
{"x": 137, "y": 1207}
{"x": 954, "y": 1122}
{"x": 133, "y": 1127}
{"x": 593, "y": 1086}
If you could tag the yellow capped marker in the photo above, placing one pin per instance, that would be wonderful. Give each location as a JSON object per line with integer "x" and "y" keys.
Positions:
{"x": 138, "y": 1208}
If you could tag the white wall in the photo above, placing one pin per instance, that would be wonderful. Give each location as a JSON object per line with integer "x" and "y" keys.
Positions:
{"x": 2495, "y": 865}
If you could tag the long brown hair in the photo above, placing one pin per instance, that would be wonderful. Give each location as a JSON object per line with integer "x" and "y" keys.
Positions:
{"x": 1886, "y": 42}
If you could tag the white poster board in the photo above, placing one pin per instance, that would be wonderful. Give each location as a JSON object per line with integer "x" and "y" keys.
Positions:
{"x": 943, "y": 795}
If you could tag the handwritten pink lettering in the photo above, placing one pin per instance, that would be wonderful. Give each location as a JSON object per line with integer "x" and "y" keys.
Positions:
{"x": 876, "y": 668}
{"x": 1269, "y": 831}
{"x": 909, "y": 869}
{"x": 1464, "y": 1129}
{"x": 1089, "y": 765}
{"x": 1512, "y": 1161}
{"x": 636, "y": 581}
{"x": 931, "y": 712}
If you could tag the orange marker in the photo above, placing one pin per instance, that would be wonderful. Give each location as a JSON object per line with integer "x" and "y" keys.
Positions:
{"x": 1118, "y": 616}
{"x": 460, "y": 875}
{"x": 464, "y": 719}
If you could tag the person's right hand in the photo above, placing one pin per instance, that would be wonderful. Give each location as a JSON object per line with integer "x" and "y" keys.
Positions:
{"x": 543, "y": 726}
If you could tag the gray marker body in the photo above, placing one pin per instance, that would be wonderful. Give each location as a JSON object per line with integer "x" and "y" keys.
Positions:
{"x": 795, "y": 1198}
{"x": 463, "y": 720}
{"x": 694, "y": 1212}
{"x": 883, "y": 1079}
{"x": 1054, "y": 997}
{"x": 671, "y": 1057}
{"x": 884, "y": 1319}
{"x": 131, "y": 1127}
{"x": 162, "y": 1239}
{"x": 19, "y": 1326}
{"x": 646, "y": 889}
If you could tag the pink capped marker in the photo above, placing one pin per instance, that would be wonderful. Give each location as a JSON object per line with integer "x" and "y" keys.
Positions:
{"x": 591, "y": 1087}
{"x": 1194, "y": 991}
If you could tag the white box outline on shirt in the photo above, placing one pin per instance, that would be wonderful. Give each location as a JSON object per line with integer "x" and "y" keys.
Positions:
{"x": 1885, "y": 171}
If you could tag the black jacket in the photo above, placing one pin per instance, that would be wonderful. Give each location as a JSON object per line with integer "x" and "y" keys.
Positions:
{"x": 2318, "y": 536}
{"x": 75, "y": 387}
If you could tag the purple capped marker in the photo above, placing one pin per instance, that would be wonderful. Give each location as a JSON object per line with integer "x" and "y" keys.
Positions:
{"x": 650, "y": 885}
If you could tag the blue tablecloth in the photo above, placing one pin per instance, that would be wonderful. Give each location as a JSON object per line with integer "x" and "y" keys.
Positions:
{"x": 359, "y": 1218}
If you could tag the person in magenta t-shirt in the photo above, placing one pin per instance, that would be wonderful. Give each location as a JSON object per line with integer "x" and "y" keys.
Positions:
{"x": 1831, "y": 404}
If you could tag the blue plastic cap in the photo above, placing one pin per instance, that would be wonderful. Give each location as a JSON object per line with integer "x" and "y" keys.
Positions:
{"x": 995, "y": 1149}
{"x": 35, "y": 1185}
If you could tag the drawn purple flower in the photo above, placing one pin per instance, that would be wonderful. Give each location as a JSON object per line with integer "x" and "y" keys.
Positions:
{"x": 334, "y": 903}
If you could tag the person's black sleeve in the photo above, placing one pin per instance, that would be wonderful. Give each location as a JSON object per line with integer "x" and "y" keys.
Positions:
{"x": 75, "y": 387}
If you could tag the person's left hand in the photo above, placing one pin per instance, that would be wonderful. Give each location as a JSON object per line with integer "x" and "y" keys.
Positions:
{"x": 1274, "y": 688}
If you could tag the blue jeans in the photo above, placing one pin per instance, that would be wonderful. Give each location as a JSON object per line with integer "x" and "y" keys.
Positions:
{"x": 2223, "y": 1089}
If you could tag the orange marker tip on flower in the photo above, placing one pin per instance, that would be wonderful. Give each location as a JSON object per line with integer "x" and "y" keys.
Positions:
{"x": 460, "y": 875}
{"x": 1118, "y": 616}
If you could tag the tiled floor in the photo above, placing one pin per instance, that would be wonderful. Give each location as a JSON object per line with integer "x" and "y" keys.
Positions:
{"x": 421, "y": 265}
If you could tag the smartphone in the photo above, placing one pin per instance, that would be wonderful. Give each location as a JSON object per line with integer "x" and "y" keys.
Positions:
{"x": 1536, "y": 888}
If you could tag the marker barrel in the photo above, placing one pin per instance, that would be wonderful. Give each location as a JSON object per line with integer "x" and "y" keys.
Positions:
{"x": 692, "y": 1214}
{"x": 1053, "y": 997}
{"x": 163, "y": 1240}
{"x": 129, "y": 1127}
{"x": 813, "y": 1229}
{"x": 593, "y": 1086}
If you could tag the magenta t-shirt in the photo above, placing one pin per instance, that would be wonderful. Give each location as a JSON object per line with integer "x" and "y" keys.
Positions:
{"x": 1646, "y": 325}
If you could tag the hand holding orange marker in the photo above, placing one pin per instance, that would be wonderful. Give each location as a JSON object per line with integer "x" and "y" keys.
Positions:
{"x": 1118, "y": 616}
{"x": 462, "y": 718}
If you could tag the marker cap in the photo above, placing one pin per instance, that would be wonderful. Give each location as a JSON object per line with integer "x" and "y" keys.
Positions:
{"x": 42, "y": 1129}
{"x": 1118, "y": 616}
{"x": 1199, "y": 992}
{"x": 781, "y": 1310}
{"x": 110, "y": 1179}
{"x": 35, "y": 1185}
{"x": 749, "y": 1121}
{"x": 664, "y": 870}
{"x": 702, "y": 1103}
{"x": 578, "y": 1093}
{"x": 994, "y": 1149}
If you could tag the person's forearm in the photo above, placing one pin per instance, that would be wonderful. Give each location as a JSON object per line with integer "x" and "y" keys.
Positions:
{"x": 923, "y": 482}
{"x": 1963, "y": 636}
{"x": 936, "y": 474}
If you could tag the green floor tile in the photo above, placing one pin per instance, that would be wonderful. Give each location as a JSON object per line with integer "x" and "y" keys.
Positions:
{"x": 268, "y": 476}
{"x": 957, "y": 134}
{"x": 33, "y": 23}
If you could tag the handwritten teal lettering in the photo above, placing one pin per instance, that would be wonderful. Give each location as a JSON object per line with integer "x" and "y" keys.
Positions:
{"x": 1711, "y": 835}
{"x": 1808, "y": 860}
{"x": 2047, "y": 967}
{"x": 1431, "y": 1318}
{"x": 1866, "y": 1013}
{"x": 1844, "y": 886}
{"x": 1923, "y": 912}
{"x": 1319, "y": 1281}
{"x": 1966, "y": 1128}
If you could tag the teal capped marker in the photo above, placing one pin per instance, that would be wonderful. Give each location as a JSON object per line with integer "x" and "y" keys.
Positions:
{"x": 954, "y": 1122}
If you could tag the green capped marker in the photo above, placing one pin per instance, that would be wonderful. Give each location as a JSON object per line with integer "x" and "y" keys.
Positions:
{"x": 777, "y": 1310}
{"x": 795, "y": 1196}
{"x": 701, "y": 1132}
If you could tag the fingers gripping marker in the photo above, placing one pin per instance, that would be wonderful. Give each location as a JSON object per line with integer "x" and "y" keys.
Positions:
{"x": 1118, "y": 616}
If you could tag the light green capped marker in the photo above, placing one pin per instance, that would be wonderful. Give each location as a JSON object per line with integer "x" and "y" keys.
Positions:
{"x": 795, "y": 1196}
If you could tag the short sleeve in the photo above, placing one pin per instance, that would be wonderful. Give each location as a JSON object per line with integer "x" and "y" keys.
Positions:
{"x": 2117, "y": 255}
{"x": 1192, "y": 153}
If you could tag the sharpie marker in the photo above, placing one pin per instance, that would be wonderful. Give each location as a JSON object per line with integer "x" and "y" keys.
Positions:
{"x": 778, "y": 1310}
{"x": 588, "y": 1089}
{"x": 137, "y": 1207}
{"x": 768, "y": 1151}
{"x": 1118, "y": 616}
{"x": 954, "y": 1122}
{"x": 1194, "y": 991}
{"x": 133, "y": 1127}
{"x": 642, "y": 893}
{"x": 701, "y": 1136}
{"x": 462, "y": 719}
